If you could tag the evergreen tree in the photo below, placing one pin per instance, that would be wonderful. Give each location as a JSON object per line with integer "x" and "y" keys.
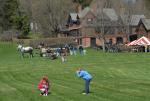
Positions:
{"x": 12, "y": 17}
{"x": 21, "y": 22}
{"x": 7, "y": 10}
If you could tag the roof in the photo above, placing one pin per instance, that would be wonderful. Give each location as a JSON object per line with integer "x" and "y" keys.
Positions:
{"x": 74, "y": 16}
{"x": 84, "y": 12}
{"x": 146, "y": 23}
{"x": 111, "y": 14}
{"x": 135, "y": 19}
{"x": 141, "y": 41}
{"x": 108, "y": 11}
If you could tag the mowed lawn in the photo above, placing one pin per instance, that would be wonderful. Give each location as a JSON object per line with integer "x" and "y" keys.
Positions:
{"x": 116, "y": 76}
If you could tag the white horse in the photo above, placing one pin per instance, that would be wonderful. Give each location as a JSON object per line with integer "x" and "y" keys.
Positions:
{"x": 25, "y": 50}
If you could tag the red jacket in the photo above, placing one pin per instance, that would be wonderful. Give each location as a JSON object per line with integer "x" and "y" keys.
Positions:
{"x": 40, "y": 84}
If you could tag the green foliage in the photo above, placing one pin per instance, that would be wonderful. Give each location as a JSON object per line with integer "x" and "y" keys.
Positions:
{"x": 21, "y": 23}
{"x": 8, "y": 9}
{"x": 116, "y": 76}
{"x": 11, "y": 15}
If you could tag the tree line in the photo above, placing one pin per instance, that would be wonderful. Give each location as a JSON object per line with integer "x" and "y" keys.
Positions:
{"x": 51, "y": 14}
{"x": 13, "y": 17}
{"x": 47, "y": 16}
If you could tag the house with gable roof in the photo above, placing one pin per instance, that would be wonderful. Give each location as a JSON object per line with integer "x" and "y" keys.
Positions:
{"x": 87, "y": 21}
{"x": 82, "y": 26}
{"x": 113, "y": 26}
{"x": 133, "y": 26}
{"x": 143, "y": 28}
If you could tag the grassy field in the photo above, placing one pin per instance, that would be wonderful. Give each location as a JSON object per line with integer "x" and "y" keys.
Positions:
{"x": 116, "y": 76}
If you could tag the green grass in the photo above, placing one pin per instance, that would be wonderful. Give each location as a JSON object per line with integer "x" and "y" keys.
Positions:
{"x": 116, "y": 76}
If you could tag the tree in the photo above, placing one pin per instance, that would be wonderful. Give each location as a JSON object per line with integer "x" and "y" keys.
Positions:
{"x": 21, "y": 23}
{"x": 107, "y": 24}
{"x": 52, "y": 15}
{"x": 21, "y": 20}
{"x": 131, "y": 8}
{"x": 28, "y": 9}
{"x": 102, "y": 25}
{"x": 12, "y": 17}
{"x": 8, "y": 9}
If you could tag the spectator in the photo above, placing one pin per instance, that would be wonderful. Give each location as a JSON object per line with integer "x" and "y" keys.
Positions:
{"x": 81, "y": 50}
{"x": 71, "y": 50}
{"x": 74, "y": 50}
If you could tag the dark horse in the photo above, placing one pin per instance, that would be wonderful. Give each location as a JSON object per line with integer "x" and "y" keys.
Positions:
{"x": 25, "y": 50}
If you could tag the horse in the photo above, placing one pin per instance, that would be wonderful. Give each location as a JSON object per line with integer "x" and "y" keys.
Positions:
{"x": 23, "y": 50}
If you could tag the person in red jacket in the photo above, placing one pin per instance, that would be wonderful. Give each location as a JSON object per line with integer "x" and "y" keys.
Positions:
{"x": 43, "y": 86}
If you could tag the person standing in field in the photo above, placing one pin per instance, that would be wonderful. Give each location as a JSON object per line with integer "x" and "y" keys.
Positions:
{"x": 85, "y": 76}
{"x": 75, "y": 50}
{"x": 63, "y": 53}
{"x": 81, "y": 50}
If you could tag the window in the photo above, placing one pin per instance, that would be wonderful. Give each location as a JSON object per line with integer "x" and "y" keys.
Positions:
{"x": 90, "y": 21}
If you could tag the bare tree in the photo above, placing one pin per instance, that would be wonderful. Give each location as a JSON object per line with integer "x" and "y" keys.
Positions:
{"x": 129, "y": 11}
{"x": 26, "y": 5}
{"x": 52, "y": 14}
{"x": 103, "y": 26}
{"x": 47, "y": 16}
{"x": 29, "y": 8}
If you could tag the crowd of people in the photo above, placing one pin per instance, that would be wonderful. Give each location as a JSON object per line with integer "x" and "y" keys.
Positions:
{"x": 62, "y": 52}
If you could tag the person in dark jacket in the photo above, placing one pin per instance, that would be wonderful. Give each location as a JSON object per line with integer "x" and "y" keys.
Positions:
{"x": 87, "y": 77}
{"x": 81, "y": 50}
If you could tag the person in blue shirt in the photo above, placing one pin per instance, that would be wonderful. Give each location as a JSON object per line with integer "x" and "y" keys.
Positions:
{"x": 87, "y": 77}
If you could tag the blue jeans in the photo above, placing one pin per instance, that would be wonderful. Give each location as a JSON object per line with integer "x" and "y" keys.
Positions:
{"x": 87, "y": 83}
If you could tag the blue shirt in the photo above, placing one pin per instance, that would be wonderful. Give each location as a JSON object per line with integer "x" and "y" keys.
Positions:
{"x": 84, "y": 74}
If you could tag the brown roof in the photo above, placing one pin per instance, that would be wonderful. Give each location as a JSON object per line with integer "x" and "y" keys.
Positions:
{"x": 135, "y": 19}
{"x": 146, "y": 23}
